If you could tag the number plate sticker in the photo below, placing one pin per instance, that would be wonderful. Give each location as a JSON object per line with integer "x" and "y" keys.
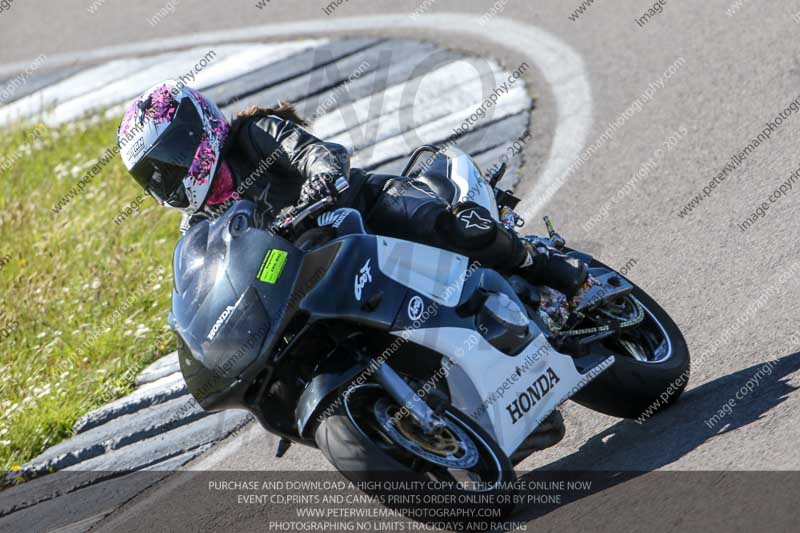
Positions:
{"x": 272, "y": 266}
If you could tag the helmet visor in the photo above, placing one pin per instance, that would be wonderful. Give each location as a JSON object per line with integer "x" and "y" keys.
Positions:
{"x": 162, "y": 169}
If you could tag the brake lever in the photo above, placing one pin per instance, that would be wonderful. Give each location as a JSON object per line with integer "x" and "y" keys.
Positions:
{"x": 298, "y": 213}
{"x": 311, "y": 210}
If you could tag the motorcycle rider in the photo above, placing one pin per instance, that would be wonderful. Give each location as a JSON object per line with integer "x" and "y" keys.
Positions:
{"x": 181, "y": 149}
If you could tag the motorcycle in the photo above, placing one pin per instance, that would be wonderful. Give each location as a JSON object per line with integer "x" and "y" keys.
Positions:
{"x": 400, "y": 360}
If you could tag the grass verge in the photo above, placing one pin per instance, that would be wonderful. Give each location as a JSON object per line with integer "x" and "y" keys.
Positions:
{"x": 84, "y": 297}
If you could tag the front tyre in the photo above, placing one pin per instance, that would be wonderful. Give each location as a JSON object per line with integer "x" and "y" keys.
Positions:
{"x": 649, "y": 372}
{"x": 460, "y": 475}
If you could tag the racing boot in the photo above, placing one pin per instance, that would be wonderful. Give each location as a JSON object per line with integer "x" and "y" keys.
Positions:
{"x": 544, "y": 266}
{"x": 473, "y": 230}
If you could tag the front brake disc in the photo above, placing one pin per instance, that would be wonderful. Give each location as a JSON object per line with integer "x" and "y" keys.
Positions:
{"x": 451, "y": 447}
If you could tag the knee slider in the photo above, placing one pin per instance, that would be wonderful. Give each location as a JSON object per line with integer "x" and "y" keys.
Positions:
{"x": 483, "y": 238}
{"x": 472, "y": 225}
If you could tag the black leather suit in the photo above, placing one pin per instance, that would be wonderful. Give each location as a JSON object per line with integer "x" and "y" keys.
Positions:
{"x": 279, "y": 154}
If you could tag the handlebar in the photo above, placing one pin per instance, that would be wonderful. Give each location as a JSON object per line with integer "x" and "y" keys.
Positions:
{"x": 301, "y": 211}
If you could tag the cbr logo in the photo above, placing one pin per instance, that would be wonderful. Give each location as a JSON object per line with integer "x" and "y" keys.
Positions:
{"x": 363, "y": 277}
{"x": 528, "y": 398}
{"x": 220, "y": 321}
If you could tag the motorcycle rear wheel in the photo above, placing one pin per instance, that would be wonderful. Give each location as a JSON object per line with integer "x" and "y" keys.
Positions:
{"x": 633, "y": 388}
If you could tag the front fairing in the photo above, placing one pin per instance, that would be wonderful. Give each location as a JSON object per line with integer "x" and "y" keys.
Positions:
{"x": 228, "y": 297}
{"x": 237, "y": 289}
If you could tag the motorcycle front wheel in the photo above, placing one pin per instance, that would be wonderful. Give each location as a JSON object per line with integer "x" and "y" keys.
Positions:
{"x": 459, "y": 475}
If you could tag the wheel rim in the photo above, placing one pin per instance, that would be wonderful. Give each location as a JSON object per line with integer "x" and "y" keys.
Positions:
{"x": 484, "y": 475}
{"x": 450, "y": 448}
{"x": 646, "y": 349}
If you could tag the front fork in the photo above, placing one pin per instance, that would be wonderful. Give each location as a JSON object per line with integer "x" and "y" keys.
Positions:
{"x": 405, "y": 396}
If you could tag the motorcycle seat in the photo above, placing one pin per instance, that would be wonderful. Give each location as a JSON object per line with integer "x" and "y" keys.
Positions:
{"x": 435, "y": 176}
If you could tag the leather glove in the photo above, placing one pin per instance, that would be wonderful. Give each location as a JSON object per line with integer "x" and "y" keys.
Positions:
{"x": 318, "y": 188}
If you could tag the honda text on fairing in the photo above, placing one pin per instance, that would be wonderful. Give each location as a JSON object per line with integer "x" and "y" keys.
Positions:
{"x": 400, "y": 359}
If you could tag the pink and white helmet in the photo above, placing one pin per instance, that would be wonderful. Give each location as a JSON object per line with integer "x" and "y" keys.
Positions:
{"x": 170, "y": 140}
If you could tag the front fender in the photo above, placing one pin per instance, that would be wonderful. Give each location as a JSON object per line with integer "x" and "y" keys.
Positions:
{"x": 320, "y": 394}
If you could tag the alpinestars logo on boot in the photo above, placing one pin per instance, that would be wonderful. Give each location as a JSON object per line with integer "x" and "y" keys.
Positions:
{"x": 533, "y": 394}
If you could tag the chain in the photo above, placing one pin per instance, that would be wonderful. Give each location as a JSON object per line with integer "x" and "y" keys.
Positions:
{"x": 632, "y": 322}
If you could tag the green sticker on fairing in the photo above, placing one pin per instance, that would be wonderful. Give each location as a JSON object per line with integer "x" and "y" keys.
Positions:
{"x": 272, "y": 266}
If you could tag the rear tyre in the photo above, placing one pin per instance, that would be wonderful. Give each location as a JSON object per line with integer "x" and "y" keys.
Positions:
{"x": 632, "y": 388}
{"x": 357, "y": 442}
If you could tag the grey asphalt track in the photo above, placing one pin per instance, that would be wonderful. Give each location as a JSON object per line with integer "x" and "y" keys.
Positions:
{"x": 732, "y": 292}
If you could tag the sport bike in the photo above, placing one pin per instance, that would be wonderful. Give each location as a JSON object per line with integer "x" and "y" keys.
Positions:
{"x": 403, "y": 361}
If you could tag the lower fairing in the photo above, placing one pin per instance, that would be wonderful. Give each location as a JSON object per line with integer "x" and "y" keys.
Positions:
{"x": 508, "y": 395}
